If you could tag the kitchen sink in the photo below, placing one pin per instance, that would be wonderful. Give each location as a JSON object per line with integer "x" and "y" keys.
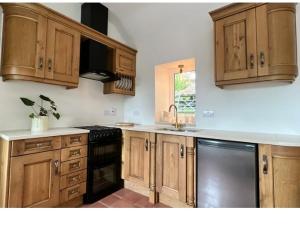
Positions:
{"x": 178, "y": 129}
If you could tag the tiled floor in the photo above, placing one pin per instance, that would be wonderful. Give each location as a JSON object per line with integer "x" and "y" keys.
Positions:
{"x": 124, "y": 198}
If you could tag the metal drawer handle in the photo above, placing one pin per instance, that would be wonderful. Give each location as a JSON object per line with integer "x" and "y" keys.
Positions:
{"x": 73, "y": 191}
{"x": 41, "y": 62}
{"x": 182, "y": 151}
{"x": 56, "y": 166}
{"x": 265, "y": 164}
{"x": 251, "y": 61}
{"x": 49, "y": 65}
{"x": 262, "y": 59}
{"x": 74, "y": 178}
{"x": 74, "y": 152}
{"x": 75, "y": 140}
{"x": 146, "y": 144}
{"x": 75, "y": 165}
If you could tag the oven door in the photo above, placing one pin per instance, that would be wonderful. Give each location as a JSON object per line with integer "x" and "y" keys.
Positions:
{"x": 104, "y": 170}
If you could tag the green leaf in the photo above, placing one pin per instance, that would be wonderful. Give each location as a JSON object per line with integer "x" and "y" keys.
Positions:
{"x": 53, "y": 107}
{"x": 56, "y": 115}
{"x": 31, "y": 115}
{"x": 27, "y": 102}
{"x": 43, "y": 97}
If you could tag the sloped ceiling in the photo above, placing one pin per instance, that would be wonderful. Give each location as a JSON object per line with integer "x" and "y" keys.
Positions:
{"x": 146, "y": 20}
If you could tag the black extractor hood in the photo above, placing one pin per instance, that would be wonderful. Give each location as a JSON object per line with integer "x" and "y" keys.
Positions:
{"x": 95, "y": 58}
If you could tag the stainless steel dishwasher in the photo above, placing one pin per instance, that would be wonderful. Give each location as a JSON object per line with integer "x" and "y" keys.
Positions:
{"x": 227, "y": 174}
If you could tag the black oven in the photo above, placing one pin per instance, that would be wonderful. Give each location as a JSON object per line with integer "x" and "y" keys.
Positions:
{"x": 104, "y": 162}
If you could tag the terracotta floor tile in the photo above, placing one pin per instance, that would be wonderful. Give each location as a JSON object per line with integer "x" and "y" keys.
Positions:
{"x": 132, "y": 197}
{"x": 144, "y": 203}
{"x": 160, "y": 205}
{"x": 95, "y": 205}
{"x": 122, "y": 204}
{"x": 109, "y": 200}
{"x": 122, "y": 192}
{"x": 125, "y": 198}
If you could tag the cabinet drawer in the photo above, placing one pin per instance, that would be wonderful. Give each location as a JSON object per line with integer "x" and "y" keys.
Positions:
{"x": 74, "y": 140}
{"x": 73, "y": 153}
{"x": 35, "y": 145}
{"x": 73, "y": 165}
{"x": 72, "y": 179}
{"x": 72, "y": 192}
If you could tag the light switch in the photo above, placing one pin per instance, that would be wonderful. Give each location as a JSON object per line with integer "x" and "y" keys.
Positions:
{"x": 208, "y": 113}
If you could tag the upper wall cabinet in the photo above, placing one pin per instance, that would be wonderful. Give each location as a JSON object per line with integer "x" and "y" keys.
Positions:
{"x": 125, "y": 63}
{"x": 125, "y": 67}
{"x": 38, "y": 49}
{"x": 42, "y": 45}
{"x": 255, "y": 42}
{"x": 24, "y": 43}
{"x": 63, "y": 46}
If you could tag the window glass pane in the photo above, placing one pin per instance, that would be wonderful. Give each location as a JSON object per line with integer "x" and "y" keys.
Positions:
{"x": 184, "y": 92}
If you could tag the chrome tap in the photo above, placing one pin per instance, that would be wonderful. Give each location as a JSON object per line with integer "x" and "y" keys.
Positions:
{"x": 175, "y": 114}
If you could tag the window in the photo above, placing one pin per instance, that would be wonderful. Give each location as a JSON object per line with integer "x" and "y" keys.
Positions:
{"x": 184, "y": 92}
{"x": 174, "y": 85}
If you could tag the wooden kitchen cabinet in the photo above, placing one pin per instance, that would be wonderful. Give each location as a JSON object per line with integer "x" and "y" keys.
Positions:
{"x": 37, "y": 172}
{"x": 255, "y": 42}
{"x": 34, "y": 180}
{"x": 125, "y": 68}
{"x": 279, "y": 175}
{"x": 137, "y": 160}
{"x": 175, "y": 170}
{"x": 24, "y": 43}
{"x": 26, "y": 56}
{"x": 63, "y": 52}
{"x": 125, "y": 62}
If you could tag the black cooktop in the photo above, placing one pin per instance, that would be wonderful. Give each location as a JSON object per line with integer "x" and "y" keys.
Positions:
{"x": 102, "y": 133}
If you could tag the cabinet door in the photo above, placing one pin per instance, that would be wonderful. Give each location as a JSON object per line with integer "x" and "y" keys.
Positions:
{"x": 24, "y": 38}
{"x": 171, "y": 167}
{"x": 34, "y": 180}
{"x": 125, "y": 62}
{"x": 279, "y": 176}
{"x": 63, "y": 48}
{"x": 137, "y": 158}
{"x": 235, "y": 38}
{"x": 276, "y": 39}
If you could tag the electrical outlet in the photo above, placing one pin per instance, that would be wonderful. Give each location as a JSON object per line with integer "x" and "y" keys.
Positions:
{"x": 113, "y": 111}
{"x": 208, "y": 113}
{"x": 110, "y": 112}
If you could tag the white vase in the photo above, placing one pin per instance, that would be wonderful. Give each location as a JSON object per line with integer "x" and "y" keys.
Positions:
{"x": 39, "y": 124}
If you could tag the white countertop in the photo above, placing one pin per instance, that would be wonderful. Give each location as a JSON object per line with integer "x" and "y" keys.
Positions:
{"x": 27, "y": 134}
{"x": 251, "y": 137}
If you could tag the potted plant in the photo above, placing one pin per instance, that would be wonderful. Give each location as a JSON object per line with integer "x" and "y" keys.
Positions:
{"x": 40, "y": 117}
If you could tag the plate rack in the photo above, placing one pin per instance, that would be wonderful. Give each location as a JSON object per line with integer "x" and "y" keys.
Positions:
{"x": 125, "y": 86}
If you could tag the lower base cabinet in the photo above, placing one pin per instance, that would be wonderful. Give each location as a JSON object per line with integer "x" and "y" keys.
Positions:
{"x": 175, "y": 170}
{"x": 137, "y": 158}
{"x": 38, "y": 173}
{"x": 34, "y": 180}
{"x": 161, "y": 167}
{"x": 279, "y": 175}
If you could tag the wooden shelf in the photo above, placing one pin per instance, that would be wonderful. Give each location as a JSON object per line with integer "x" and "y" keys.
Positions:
{"x": 124, "y": 86}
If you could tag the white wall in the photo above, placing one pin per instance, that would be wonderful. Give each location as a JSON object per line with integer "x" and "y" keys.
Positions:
{"x": 82, "y": 106}
{"x": 168, "y": 32}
